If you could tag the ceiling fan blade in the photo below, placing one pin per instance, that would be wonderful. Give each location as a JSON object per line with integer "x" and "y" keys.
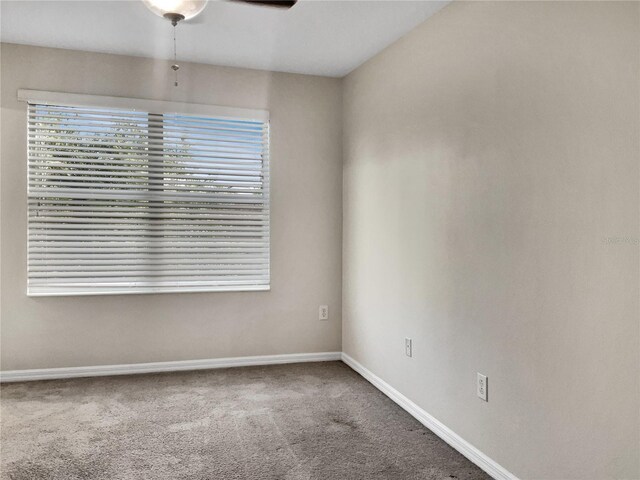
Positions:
{"x": 270, "y": 3}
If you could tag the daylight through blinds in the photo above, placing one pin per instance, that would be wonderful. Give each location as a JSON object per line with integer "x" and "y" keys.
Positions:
{"x": 123, "y": 201}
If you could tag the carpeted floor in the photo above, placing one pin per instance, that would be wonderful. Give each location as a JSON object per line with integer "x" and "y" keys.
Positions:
{"x": 318, "y": 421}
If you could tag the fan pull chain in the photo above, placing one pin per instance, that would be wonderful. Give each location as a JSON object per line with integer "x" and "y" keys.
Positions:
{"x": 175, "y": 67}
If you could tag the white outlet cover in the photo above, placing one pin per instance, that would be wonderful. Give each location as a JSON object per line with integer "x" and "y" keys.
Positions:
{"x": 482, "y": 387}
{"x": 323, "y": 312}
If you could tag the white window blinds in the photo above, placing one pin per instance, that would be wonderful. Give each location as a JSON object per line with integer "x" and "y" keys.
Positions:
{"x": 145, "y": 200}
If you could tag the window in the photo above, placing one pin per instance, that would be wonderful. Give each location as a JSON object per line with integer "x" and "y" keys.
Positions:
{"x": 128, "y": 196}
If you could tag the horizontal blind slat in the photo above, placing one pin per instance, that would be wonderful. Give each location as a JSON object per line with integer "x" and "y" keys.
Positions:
{"x": 145, "y": 164}
{"x": 181, "y": 121}
{"x": 142, "y": 250}
{"x": 142, "y": 278}
{"x": 219, "y": 260}
{"x": 84, "y": 193}
{"x": 53, "y": 165}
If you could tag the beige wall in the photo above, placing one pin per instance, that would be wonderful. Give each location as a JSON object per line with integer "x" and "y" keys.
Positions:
{"x": 487, "y": 156}
{"x": 306, "y": 224}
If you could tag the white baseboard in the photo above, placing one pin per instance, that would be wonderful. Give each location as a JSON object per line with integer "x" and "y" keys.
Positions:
{"x": 129, "y": 369}
{"x": 465, "y": 448}
{"x": 445, "y": 433}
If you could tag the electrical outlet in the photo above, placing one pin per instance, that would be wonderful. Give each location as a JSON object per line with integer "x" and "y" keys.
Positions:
{"x": 408, "y": 347}
{"x": 323, "y": 312}
{"x": 482, "y": 387}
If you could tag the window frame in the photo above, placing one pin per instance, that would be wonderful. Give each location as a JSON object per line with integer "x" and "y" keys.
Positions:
{"x": 159, "y": 107}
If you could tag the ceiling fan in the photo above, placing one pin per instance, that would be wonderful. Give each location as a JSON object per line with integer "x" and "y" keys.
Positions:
{"x": 177, "y": 10}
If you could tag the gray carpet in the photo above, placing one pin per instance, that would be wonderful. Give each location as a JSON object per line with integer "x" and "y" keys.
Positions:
{"x": 318, "y": 421}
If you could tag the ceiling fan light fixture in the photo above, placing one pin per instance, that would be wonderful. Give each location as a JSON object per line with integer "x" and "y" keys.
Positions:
{"x": 176, "y": 10}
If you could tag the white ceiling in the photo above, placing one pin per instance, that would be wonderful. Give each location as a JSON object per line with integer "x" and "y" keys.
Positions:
{"x": 321, "y": 37}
